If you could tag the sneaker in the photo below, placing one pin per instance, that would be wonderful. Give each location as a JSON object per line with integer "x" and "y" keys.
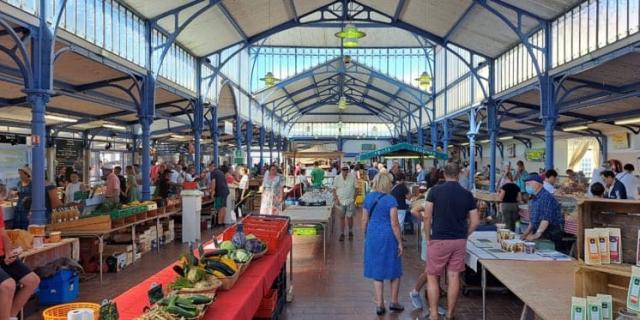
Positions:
{"x": 396, "y": 307}
{"x": 350, "y": 235}
{"x": 442, "y": 310}
{"x": 381, "y": 310}
{"x": 341, "y": 237}
{"x": 416, "y": 299}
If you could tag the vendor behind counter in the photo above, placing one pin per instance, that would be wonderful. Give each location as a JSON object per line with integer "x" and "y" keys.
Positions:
{"x": 546, "y": 219}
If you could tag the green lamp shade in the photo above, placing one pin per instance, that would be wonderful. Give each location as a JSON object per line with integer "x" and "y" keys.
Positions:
{"x": 350, "y": 31}
{"x": 342, "y": 103}
{"x": 424, "y": 80}
{"x": 269, "y": 79}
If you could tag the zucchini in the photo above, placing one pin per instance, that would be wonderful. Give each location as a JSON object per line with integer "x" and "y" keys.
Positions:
{"x": 200, "y": 299}
{"x": 182, "y": 312}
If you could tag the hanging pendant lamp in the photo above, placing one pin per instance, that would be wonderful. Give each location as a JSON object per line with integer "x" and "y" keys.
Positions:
{"x": 424, "y": 81}
{"x": 342, "y": 104}
{"x": 269, "y": 79}
{"x": 350, "y": 35}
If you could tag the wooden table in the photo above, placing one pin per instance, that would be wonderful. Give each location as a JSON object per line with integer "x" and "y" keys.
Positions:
{"x": 100, "y": 234}
{"x": 544, "y": 286}
{"x": 33, "y": 257}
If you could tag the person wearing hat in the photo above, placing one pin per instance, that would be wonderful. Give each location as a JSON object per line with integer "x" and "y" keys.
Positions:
{"x": 545, "y": 214}
{"x": 22, "y": 208}
{"x": 344, "y": 195}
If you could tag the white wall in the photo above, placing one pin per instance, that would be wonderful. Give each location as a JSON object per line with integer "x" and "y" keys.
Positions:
{"x": 560, "y": 155}
{"x": 355, "y": 146}
{"x": 628, "y": 155}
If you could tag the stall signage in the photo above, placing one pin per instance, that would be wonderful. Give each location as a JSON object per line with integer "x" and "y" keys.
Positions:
{"x": 171, "y": 148}
{"x": 368, "y": 146}
{"x": 12, "y": 138}
{"x": 68, "y": 151}
{"x": 620, "y": 141}
{"x": 536, "y": 155}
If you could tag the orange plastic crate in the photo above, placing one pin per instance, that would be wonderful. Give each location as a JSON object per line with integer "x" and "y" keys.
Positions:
{"x": 271, "y": 238}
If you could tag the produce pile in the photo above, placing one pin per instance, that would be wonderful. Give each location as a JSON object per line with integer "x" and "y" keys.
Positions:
{"x": 178, "y": 306}
{"x": 118, "y": 211}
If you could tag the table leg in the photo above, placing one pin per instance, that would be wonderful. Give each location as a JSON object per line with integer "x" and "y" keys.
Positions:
{"x": 100, "y": 252}
{"x": 324, "y": 243}
{"x": 484, "y": 292}
{"x": 133, "y": 242}
{"x": 157, "y": 234}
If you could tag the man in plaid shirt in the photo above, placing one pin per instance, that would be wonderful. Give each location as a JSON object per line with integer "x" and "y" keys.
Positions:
{"x": 545, "y": 214}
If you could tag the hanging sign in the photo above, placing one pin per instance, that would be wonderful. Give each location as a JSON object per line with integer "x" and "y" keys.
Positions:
{"x": 536, "y": 155}
{"x": 368, "y": 147}
{"x": 13, "y": 139}
{"x": 68, "y": 151}
{"x": 620, "y": 141}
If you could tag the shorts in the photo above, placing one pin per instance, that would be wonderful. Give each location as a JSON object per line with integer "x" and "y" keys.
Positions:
{"x": 16, "y": 271}
{"x": 347, "y": 210}
{"x": 220, "y": 202}
{"x": 446, "y": 255}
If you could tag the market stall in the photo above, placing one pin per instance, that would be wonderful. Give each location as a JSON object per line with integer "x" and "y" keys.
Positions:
{"x": 307, "y": 159}
{"x": 256, "y": 286}
{"x": 402, "y": 151}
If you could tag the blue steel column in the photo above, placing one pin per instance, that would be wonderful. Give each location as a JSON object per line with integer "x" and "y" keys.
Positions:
{"x": 262, "y": 142}
{"x": 445, "y": 137}
{"x": 38, "y": 95}
{"x": 146, "y": 119}
{"x": 472, "y": 149}
{"x": 270, "y": 147}
{"x": 549, "y": 110}
{"x": 215, "y": 134}
{"x": 434, "y": 136}
{"x": 419, "y": 131}
{"x": 340, "y": 144}
{"x": 198, "y": 118}
{"x": 249, "y": 142}
{"x": 493, "y": 128}
{"x": 238, "y": 132}
{"x": 409, "y": 130}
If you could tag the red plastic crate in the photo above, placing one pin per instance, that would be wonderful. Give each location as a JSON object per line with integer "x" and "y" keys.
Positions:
{"x": 271, "y": 230}
{"x": 267, "y": 305}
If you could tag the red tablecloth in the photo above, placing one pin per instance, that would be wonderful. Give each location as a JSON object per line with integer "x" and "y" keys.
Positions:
{"x": 241, "y": 302}
{"x": 570, "y": 223}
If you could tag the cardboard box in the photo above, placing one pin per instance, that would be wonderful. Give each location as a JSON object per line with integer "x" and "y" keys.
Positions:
{"x": 122, "y": 261}
{"x": 110, "y": 249}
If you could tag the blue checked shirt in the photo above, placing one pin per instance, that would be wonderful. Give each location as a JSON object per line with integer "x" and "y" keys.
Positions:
{"x": 544, "y": 207}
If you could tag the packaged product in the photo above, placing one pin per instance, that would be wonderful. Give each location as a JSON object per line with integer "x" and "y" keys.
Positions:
{"x": 607, "y": 306}
{"x": 591, "y": 246}
{"x": 638, "y": 250}
{"x": 633, "y": 295}
{"x": 578, "y": 308}
{"x": 615, "y": 245}
{"x": 594, "y": 308}
{"x": 603, "y": 245}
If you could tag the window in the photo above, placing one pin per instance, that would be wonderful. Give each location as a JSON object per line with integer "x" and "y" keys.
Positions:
{"x": 586, "y": 165}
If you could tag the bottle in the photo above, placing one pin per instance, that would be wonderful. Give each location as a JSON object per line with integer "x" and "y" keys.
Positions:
{"x": 239, "y": 239}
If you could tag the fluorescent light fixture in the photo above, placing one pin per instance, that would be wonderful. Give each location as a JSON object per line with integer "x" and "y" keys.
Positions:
{"x": 627, "y": 121}
{"x": 450, "y": 146}
{"x": 505, "y": 138}
{"x": 464, "y": 144}
{"x": 576, "y": 128}
{"x": 59, "y": 118}
{"x": 114, "y": 127}
{"x": 484, "y": 141}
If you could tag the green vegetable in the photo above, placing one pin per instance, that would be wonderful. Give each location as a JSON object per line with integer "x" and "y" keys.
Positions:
{"x": 194, "y": 275}
{"x": 227, "y": 245}
{"x": 181, "y": 283}
{"x": 175, "y": 309}
{"x": 200, "y": 299}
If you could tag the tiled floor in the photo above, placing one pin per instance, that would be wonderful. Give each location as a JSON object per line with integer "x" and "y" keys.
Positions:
{"x": 335, "y": 291}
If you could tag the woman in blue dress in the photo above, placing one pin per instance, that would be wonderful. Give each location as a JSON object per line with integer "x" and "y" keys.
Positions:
{"x": 21, "y": 211}
{"x": 383, "y": 243}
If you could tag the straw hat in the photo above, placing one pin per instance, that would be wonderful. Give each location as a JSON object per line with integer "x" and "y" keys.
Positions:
{"x": 26, "y": 169}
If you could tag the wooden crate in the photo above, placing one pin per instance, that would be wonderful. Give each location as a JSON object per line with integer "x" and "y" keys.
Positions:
{"x": 97, "y": 223}
{"x": 610, "y": 279}
{"x": 604, "y": 279}
{"x": 608, "y": 213}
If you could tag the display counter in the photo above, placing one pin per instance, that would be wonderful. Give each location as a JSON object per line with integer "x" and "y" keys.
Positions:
{"x": 239, "y": 303}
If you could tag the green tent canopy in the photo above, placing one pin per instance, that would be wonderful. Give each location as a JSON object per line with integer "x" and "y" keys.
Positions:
{"x": 403, "y": 151}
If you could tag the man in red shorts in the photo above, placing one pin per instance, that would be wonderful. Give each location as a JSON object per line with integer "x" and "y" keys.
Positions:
{"x": 450, "y": 215}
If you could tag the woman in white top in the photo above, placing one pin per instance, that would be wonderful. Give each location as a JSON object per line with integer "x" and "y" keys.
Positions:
{"x": 629, "y": 181}
{"x": 71, "y": 188}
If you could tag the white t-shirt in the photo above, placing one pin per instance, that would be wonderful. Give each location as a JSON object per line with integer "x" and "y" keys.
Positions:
{"x": 70, "y": 190}
{"x": 188, "y": 177}
{"x": 174, "y": 177}
{"x": 244, "y": 182}
{"x": 630, "y": 183}
{"x": 549, "y": 187}
{"x": 345, "y": 188}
